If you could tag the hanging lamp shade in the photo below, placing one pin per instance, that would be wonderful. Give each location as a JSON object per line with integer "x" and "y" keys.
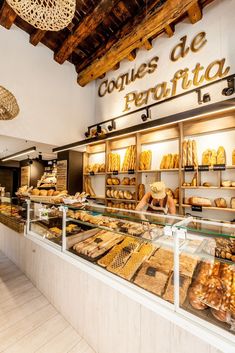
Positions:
{"x": 48, "y": 15}
{"x": 9, "y": 108}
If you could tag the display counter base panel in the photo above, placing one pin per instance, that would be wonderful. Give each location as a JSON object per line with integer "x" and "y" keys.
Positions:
{"x": 107, "y": 316}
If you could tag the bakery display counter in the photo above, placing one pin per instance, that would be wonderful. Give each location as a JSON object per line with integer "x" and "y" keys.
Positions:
{"x": 184, "y": 264}
{"x": 12, "y": 213}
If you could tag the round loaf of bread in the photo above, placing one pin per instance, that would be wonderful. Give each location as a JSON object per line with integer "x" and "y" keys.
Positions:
{"x": 109, "y": 181}
{"x": 35, "y": 192}
{"x": 127, "y": 195}
{"x": 43, "y": 193}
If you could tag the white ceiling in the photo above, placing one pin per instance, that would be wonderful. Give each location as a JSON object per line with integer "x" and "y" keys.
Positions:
{"x": 11, "y": 145}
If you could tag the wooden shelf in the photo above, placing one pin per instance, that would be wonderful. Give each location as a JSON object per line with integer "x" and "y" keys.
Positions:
{"x": 88, "y": 174}
{"x": 120, "y": 186}
{"x": 121, "y": 172}
{"x": 158, "y": 170}
{"x": 212, "y": 208}
{"x": 122, "y": 200}
{"x": 209, "y": 187}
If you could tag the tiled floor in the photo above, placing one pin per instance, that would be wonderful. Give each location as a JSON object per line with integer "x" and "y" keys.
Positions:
{"x": 28, "y": 322}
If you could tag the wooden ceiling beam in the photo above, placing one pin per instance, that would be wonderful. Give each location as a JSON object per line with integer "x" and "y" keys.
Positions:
{"x": 87, "y": 25}
{"x": 169, "y": 29}
{"x": 37, "y": 36}
{"x": 7, "y": 16}
{"x": 143, "y": 27}
{"x": 195, "y": 13}
{"x": 116, "y": 67}
{"x": 132, "y": 55}
{"x": 148, "y": 44}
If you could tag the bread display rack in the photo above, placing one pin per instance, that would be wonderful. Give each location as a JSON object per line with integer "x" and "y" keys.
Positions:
{"x": 159, "y": 154}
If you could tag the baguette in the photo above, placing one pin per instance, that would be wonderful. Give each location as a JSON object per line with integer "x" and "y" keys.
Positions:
{"x": 190, "y": 152}
{"x": 194, "y": 151}
{"x": 184, "y": 153}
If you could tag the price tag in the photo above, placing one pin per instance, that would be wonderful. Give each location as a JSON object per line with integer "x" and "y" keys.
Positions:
{"x": 92, "y": 173}
{"x": 189, "y": 168}
{"x": 115, "y": 172}
{"x": 151, "y": 271}
{"x": 219, "y": 167}
{"x": 131, "y": 171}
{"x": 196, "y": 208}
{"x": 203, "y": 168}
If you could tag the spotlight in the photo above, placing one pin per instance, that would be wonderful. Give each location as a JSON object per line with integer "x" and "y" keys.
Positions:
{"x": 202, "y": 99}
{"x": 228, "y": 91}
{"x": 87, "y": 134}
{"x": 112, "y": 126}
{"x": 146, "y": 116}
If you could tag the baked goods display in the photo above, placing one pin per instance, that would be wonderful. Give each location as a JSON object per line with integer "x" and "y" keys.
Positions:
{"x": 113, "y": 181}
{"x": 88, "y": 187}
{"x": 189, "y": 153}
{"x": 193, "y": 182}
{"x": 223, "y": 248}
{"x": 95, "y": 168}
{"x": 50, "y": 192}
{"x": 184, "y": 283}
{"x": 170, "y": 161}
{"x": 129, "y": 162}
{"x": 120, "y": 194}
{"x": 200, "y": 201}
{"x": 145, "y": 160}
{"x": 98, "y": 244}
{"x": 113, "y": 162}
{"x": 221, "y": 155}
{"x": 49, "y": 177}
{"x": 211, "y": 156}
{"x": 122, "y": 205}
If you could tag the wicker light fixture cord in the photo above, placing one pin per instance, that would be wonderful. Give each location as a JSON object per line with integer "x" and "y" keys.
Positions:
{"x": 9, "y": 108}
{"x": 48, "y": 15}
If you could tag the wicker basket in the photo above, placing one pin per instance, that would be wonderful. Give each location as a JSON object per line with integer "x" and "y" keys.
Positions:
{"x": 13, "y": 223}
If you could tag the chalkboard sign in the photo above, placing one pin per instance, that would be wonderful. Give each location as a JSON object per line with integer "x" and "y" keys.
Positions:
{"x": 196, "y": 208}
{"x": 189, "y": 168}
{"x": 219, "y": 167}
{"x": 131, "y": 171}
{"x": 203, "y": 168}
{"x": 115, "y": 172}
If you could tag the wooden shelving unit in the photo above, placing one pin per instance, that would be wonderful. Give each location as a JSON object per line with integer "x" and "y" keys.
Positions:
{"x": 175, "y": 134}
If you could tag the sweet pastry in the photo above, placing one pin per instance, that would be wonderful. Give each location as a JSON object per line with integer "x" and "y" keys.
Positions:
{"x": 220, "y": 315}
{"x": 212, "y": 293}
{"x": 221, "y": 202}
{"x": 199, "y": 201}
{"x": 221, "y": 247}
{"x": 194, "y": 293}
{"x": 164, "y": 260}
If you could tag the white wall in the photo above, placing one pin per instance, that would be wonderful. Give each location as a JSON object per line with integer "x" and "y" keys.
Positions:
{"x": 54, "y": 109}
{"x": 217, "y": 22}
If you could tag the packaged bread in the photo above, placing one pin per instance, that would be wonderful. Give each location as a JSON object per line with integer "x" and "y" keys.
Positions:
{"x": 221, "y": 202}
{"x": 185, "y": 153}
{"x": 232, "y": 202}
{"x": 190, "y": 152}
{"x": 194, "y": 148}
{"x": 233, "y": 157}
{"x": 221, "y": 155}
{"x": 199, "y": 201}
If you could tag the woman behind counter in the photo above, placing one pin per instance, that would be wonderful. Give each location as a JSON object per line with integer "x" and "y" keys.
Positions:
{"x": 157, "y": 200}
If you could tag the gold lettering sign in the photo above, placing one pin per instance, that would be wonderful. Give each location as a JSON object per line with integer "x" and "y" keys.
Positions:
{"x": 183, "y": 78}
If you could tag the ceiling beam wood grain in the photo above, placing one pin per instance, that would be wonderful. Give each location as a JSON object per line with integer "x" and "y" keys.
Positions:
{"x": 7, "y": 16}
{"x": 37, "y": 36}
{"x": 87, "y": 25}
{"x": 195, "y": 13}
{"x": 169, "y": 29}
{"x": 148, "y": 44}
{"x": 143, "y": 27}
{"x": 132, "y": 55}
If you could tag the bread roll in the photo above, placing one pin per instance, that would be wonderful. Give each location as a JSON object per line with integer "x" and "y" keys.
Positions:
{"x": 199, "y": 201}
{"x": 121, "y": 194}
{"x": 56, "y": 193}
{"x": 206, "y": 184}
{"x": 50, "y": 192}
{"x": 108, "y": 193}
{"x": 128, "y": 195}
{"x": 43, "y": 193}
{"x": 220, "y": 202}
{"x": 221, "y": 155}
{"x": 226, "y": 183}
{"x": 35, "y": 192}
{"x": 125, "y": 181}
{"x": 116, "y": 194}
{"x": 109, "y": 181}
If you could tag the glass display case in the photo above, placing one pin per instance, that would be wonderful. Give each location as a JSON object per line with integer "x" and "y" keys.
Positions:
{"x": 187, "y": 262}
{"x": 13, "y": 213}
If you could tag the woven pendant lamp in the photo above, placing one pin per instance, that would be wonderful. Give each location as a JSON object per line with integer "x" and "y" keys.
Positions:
{"x": 9, "y": 108}
{"x": 48, "y": 15}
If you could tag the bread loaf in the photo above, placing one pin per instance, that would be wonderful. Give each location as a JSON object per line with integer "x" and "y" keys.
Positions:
{"x": 221, "y": 155}
{"x": 206, "y": 157}
{"x": 232, "y": 202}
{"x": 220, "y": 202}
{"x": 199, "y": 201}
{"x": 233, "y": 157}
{"x": 195, "y": 159}
{"x": 163, "y": 162}
{"x": 141, "y": 191}
{"x": 213, "y": 157}
{"x": 184, "y": 153}
{"x": 190, "y": 152}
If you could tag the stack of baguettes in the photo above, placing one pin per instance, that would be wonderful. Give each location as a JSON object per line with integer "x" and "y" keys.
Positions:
{"x": 145, "y": 160}
{"x": 189, "y": 153}
{"x": 113, "y": 162}
{"x": 129, "y": 159}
